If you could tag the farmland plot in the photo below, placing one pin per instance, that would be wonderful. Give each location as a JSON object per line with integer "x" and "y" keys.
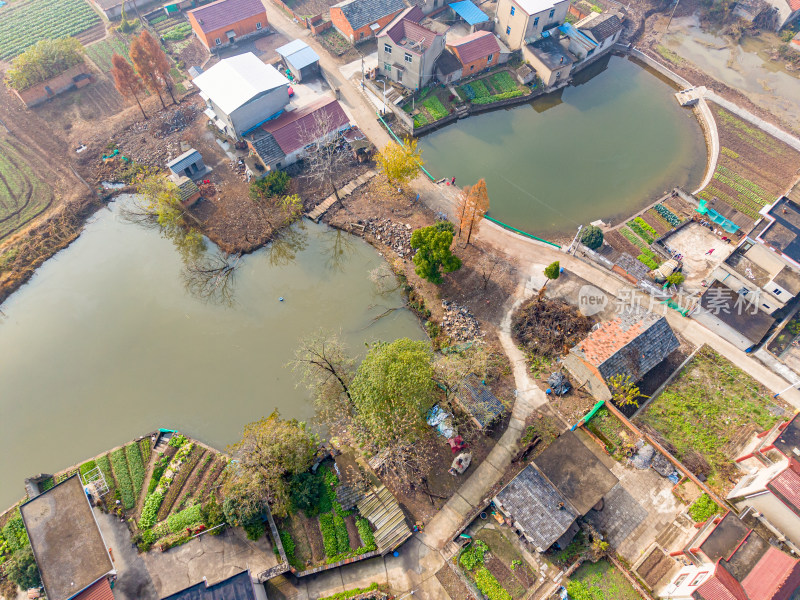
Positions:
{"x": 101, "y": 52}
{"x": 27, "y": 21}
{"x": 22, "y": 194}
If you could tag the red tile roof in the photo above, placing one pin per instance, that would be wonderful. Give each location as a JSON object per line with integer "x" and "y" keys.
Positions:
{"x": 476, "y": 46}
{"x": 721, "y": 586}
{"x": 794, "y": 5}
{"x": 100, "y": 590}
{"x": 786, "y": 485}
{"x": 225, "y": 13}
{"x": 407, "y": 33}
{"x": 292, "y": 129}
{"x": 775, "y": 577}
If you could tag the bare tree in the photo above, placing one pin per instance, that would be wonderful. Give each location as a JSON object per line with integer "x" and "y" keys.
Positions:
{"x": 211, "y": 278}
{"x": 285, "y": 245}
{"x": 325, "y": 156}
{"x": 339, "y": 247}
{"x": 384, "y": 279}
{"x": 490, "y": 264}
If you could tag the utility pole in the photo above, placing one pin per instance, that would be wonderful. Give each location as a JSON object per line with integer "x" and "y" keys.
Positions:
{"x": 670, "y": 19}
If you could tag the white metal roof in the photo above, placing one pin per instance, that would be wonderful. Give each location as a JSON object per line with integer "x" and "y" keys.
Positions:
{"x": 234, "y": 81}
{"x": 298, "y": 53}
{"x": 536, "y": 6}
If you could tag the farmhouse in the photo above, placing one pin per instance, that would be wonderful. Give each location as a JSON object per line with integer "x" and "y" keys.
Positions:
{"x": 66, "y": 541}
{"x": 300, "y": 59}
{"x": 448, "y": 68}
{"x": 407, "y": 51}
{"x": 225, "y": 21}
{"x": 520, "y": 22}
{"x": 238, "y": 587}
{"x": 732, "y": 316}
{"x": 726, "y": 559}
{"x": 629, "y": 345}
{"x": 358, "y": 20}
{"x": 112, "y": 9}
{"x": 564, "y": 483}
{"x": 76, "y": 76}
{"x": 241, "y": 93}
{"x": 280, "y": 142}
{"x": 553, "y": 63}
{"x": 478, "y": 51}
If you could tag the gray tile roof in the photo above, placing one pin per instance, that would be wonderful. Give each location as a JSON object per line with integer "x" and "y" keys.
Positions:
{"x": 238, "y": 587}
{"x": 603, "y": 27}
{"x": 186, "y": 159}
{"x": 534, "y": 503}
{"x": 366, "y": 12}
{"x": 268, "y": 149}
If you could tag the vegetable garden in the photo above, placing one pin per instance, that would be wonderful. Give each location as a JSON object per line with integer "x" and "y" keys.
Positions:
{"x": 26, "y": 22}
{"x": 496, "y": 567}
{"x": 23, "y": 195}
{"x": 101, "y": 52}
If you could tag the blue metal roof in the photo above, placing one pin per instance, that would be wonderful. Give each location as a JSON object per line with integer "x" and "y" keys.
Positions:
{"x": 188, "y": 158}
{"x": 298, "y": 53}
{"x": 469, "y": 12}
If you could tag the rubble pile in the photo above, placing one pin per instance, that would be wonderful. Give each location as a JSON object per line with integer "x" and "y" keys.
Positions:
{"x": 458, "y": 323}
{"x": 396, "y": 236}
{"x": 175, "y": 121}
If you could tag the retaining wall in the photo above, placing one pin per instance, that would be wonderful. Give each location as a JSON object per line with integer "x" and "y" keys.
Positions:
{"x": 657, "y": 66}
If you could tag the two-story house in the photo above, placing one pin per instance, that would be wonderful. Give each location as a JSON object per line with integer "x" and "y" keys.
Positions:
{"x": 477, "y": 51}
{"x": 359, "y": 20}
{"x": 520, "y": 22}
{"x": 593, "y": 36}
{"x": 407, "y": 51}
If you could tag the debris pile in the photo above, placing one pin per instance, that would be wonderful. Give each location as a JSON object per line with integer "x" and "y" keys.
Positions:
{"x": 549, "y": 327}
{"x": 458, "y": 323}
{"x": 395, "y": 235}
{"x": 174, "y": 121}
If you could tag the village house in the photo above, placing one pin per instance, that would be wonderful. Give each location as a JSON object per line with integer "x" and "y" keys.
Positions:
{"x": 67, "y": 545}
{"x": 629, "y": 345}
{"x": 238, "y": 587}
{"x": 112, "y": 9}
{"x": 478, "y": 51}
{"x": 727, "y": 560}
{"x": 280, "y": 142}
{"x": 407, "y": 51}
{"x": 359, "y": 20}
{"x": 75, "y": 77}
{"x": 242, "y": 92}
{"x": 190, "y": 164}
{"x": 448, "y": 68}
{"x": 226, "y": 21}
{"x": 520, "y": 22}
{"x": 300, "y": 59}
{"x": 593, "y": 37}
{"x": 771, "y": 488}
{"x": 732, "y": 316}
{"x": 552, "y": 62}
{"x": 562, "y": 484}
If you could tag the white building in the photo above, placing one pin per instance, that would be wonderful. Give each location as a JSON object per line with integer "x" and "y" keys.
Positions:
{"x": 241, "y": 93}
{"x": 520, "y": 22}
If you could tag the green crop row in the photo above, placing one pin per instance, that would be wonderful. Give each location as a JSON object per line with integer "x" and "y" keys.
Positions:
{"x": 647, "y": 261}
{"x": 744, "y": 191}
{"x": 150, "y": 510}
{"x": 503, "y": 82}
{"x": 729, "y": 153}
{"x": 646, "y": 226}
{"x": 365, "y": 532}
{"x": 670, "y": 216}
{"x": 136, "y": 467}
{"x": 481, "y": 91}
{"x": 633, "y": 238}
{"x": 328, "y": 531}
{"x": 742, "y": 180}
{"x": 435, "y": 108}
{"x": 637, "y": 228}
{"x": 105, "y": 468}
{"x": 342, "y": 539}
{"x": 488, "y": 584}
{"x": 120, "y": 467}
{"x": 186, "y": 518}
{"x": 498, "y": 97}
{"x": 146, "y": 448}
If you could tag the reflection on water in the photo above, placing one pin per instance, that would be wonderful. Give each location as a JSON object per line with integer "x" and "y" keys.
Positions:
{"x": 604, "y": 147}
{"x": 105, "y": 343}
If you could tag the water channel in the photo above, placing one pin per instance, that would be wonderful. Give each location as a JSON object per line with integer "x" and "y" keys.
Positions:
{"x": 105, "y": 343}
{"x": 602, "y": 148}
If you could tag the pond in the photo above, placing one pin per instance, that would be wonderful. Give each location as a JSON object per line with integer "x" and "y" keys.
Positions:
{"x": 105, "y": 344}
{"x": 602, "y": 148}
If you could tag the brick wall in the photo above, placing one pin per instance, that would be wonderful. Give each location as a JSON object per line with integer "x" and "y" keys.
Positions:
{"x": 476, "y": 66}
{"x": 341, "y": 23}
{"x": 243, "y": 28}
{"x": 61, "y": 83}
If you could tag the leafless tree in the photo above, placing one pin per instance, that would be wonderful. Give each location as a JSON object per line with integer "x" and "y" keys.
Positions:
{"x": 325, "y": 154}
{"x": 211, "y": 278}
{"x": 490, "y": 264}
{"x": 285, "y": 245}
{"x": 384, "y": 279}
{"x": 339, "y": 247}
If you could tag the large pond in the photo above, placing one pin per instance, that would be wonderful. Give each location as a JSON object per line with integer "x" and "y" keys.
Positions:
{"x": 601, "y": 148}
{"x": 105, "y": 343}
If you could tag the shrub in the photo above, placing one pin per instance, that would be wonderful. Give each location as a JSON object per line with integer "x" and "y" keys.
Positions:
{"x": 255, "y": 530}
{"x": 120, "y": 467}
{"x": 473, "y": 556}
{"x": 22, "y": 570}
{"x": 186, "y": 518}
{"x": 212, "y": 515}
{"x": 15, "y": 534}
{"x": 176, "y": 441}
{"x": 703, "y": 509}
{"x": 365, "y": 532}
{"x": 328, "y": 531}
{"x": 488, "y": 584}
{"x": 135, "y": 466}
{"x": 342, "y": 539}
{"x": 288, "y": 546}
{"x": 305, "y": 492}
{"x": 592, "y": 237}
{"x": 150, "y": 510}
{"x": 274, "y": 184}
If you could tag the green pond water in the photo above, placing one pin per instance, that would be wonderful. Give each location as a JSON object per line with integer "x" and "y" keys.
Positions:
{"x": 105, "y": 343}
{"x": 602, "y": 148}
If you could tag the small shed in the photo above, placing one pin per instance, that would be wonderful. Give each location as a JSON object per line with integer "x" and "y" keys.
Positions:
{"x": 190, "y": 164}
{"x": 300, "y": 59}
{"x": 477, "y": 399}
{"x": 474, "y": 16}
{"x": 188, "y": 192}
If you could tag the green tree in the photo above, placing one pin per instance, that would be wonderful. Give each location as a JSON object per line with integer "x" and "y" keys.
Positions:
{"x": 552, "y": 272}
{"x": 271, "y": 450}
{"x": 592, "y": 237}
{"x": 400, "y": 163}
{"x": 624, "y": 391}
{"x": 43, "y": 60}
{"x": 212, "y": 515}
{"x": 676, "y": 279}
{"x": 274, "y": 184}
{"x": 578, "y": 590}
{"x": 433, "y": 251}
{"x": 22, "y": 569}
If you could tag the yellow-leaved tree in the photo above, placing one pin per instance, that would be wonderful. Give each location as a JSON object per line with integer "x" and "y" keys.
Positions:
{"x": 400, "y": 162}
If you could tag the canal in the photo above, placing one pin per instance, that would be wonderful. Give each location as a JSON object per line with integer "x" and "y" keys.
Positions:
{"x": 602, "y": 148}
{"x": 105, "y": 343}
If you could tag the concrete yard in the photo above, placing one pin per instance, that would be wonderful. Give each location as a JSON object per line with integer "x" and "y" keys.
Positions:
{"x": 694, "y": 241}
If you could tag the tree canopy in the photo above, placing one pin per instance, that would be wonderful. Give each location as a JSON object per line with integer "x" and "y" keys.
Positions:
{"x": 43, "y": 60}
{"x": 271, "y": 450}
{"x": 400, "y": 163}
{"x": 473, "y": 205}
{"x": 552, "y": 271}
{"x": 433, "y": 251}
{"x": 592, "y": 237}
{"x": 127, "y": 82}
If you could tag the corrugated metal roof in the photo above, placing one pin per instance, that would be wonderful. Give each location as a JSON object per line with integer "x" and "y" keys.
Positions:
{"x": 186, "y": 159}
{"x": 469, "y": 12}
{"x": 298, "y": 54}
{"x": 225, "y": 13}
{"x": 234, "y": 81}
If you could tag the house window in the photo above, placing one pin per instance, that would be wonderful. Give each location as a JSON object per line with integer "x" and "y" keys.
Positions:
{"x": 536, "y": 21}
{"x": 698, "y": 578}
{"x": 776, "y": 291}
{"x": 258, "y": 25}
{"x": 489, "y": 58}
{"x": 471, "y": 67}
{"x": 681, "y": 579}
{"x": 218, "y": 42}
{"x": 552, "y": 12}
{"x": 361, "y": 35}
{"x": 512, "y": 11}
{"x": 387, "y": 67}
{"x": 387, "y": 48}
{"x": 409, "y": 58}
{"x": 508, "y": 30}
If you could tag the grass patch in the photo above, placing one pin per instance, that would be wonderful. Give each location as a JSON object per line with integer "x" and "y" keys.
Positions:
{"x": 708, "y": 404}
{"x": 23, "y": 195}
{"x": 668, "y": 55}
{"x": 703, "y": 509}
{"x": 610, "y": 430}
{"x": 600, "y": 581}
{"x": 101, "y": 52}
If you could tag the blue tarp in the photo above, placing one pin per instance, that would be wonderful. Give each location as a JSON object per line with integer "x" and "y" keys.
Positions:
{"x": 469, "y": 12}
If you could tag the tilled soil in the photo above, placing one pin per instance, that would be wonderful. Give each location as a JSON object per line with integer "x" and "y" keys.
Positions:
{"x": 352, "y": 532}
{"x": 453, "y": 585}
